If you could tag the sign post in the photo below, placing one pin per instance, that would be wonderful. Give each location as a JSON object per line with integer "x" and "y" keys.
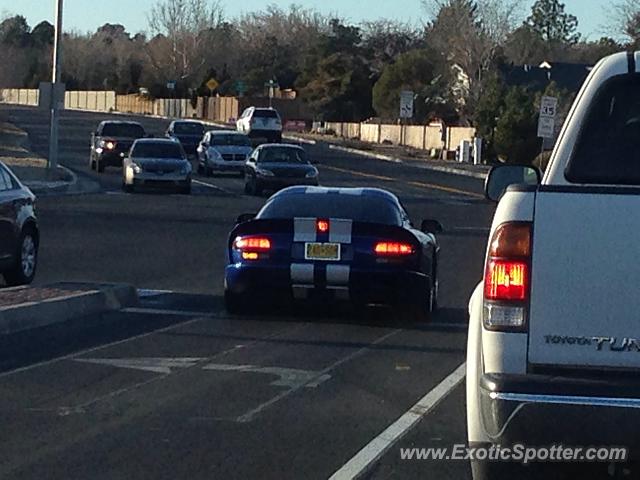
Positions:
{"x": 406, "y": 110}
{"x": 547, "y": 119}
{"x": 52, "y": 164}
{"x": 271, "y": 85}
{"x": 212, "y": 84}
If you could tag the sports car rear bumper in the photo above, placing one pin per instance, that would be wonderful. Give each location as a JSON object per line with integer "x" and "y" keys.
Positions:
{"x": 360, "y": 286}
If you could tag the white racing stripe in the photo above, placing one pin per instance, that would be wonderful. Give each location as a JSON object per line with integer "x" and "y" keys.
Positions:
{"x": 340, "y": 230}
{"x": 304, "y": 230}
{"x": 374, "y": 450}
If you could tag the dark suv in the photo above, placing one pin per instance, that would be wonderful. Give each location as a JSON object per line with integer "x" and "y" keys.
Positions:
{"x": 19, "y": 236}
{"x": 111, "y": 142}
{"x": 188, "y": 132}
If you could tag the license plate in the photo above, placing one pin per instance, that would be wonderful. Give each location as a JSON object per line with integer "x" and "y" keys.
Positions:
{"x": 322, "y": 251}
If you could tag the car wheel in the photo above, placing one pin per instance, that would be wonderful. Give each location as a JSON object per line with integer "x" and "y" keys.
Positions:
{"x": 200, "y": 169}
{"x": 186, "y": 190}
{"x": 420, "y": 309}
{"x": 127, "y": 188}
{"x": 100, "y": 166}
{"x": 24, "y": 270}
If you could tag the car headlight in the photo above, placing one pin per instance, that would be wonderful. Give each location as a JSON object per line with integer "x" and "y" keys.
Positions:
{"x": 312, "y": 174}
{"x": 136, "y": 168}
{"x": 186, "y": 169}
{"x": 214, "y": 154}
{"x": 264, "y": 173}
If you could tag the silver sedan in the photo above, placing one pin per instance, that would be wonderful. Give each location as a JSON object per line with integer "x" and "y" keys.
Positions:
{"x": 156, "y": 163}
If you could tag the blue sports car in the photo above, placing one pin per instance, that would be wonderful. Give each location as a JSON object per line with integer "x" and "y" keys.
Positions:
{"x": 351, "y": 244}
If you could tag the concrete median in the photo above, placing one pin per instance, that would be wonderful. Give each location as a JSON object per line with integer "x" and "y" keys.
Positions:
{"x": 26, "y": 308}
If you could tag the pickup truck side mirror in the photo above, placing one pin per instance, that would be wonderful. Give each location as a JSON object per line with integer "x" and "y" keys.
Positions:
{"x": 245, "y": 217}
{"x": 502, "y": 176}
{"x": 431, "y": 226}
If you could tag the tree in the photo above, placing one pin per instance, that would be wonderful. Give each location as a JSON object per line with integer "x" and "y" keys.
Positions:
{"x": 488, "y": 113}
{"x": 549, "y": 20}
{"x": 469, "y": 34}
{"x": 384, "y": 40}
{"x": 416, "y": 71}
{"x": 336, "y": 81}
{"x": 179, "y": 25}
{"x": 625, "y": 21}
{"x": 516, "y": 129}
{"x": 15, "y": 32}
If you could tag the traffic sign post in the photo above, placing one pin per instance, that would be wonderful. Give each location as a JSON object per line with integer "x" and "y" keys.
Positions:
{"x": 406, "y": 104}
{"x": 271, "y": 85}
{"x": 547, "y": 119}
{"x": 406, "y": 110}
{"x": 212, "y": 84}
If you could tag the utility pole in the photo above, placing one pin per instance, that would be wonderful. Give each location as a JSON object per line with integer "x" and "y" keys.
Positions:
{"x": 55, "y": 82}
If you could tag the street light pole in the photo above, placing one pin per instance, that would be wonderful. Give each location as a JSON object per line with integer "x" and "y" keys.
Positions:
{"x": 56, "y": 75}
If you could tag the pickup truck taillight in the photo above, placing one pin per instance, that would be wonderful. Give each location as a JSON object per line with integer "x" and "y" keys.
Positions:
{"x": 506, "y": 278}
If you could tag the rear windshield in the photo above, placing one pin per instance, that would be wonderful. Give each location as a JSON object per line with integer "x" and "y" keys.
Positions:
{"x": 238, "y": 140}
{"x": 357, "y": 208}
{"x": 282, "y": 155}
{"x": 157, "y": 150}
{"x": 265, "y": 114}
{"x": 189, "y": 128}
{"x": 123, "y": 130}
{"x": 608, "y": 147}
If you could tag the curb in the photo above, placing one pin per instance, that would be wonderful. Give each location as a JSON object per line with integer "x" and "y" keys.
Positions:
{"x": 387, "y": 158}
{"x": 28, "y": 316}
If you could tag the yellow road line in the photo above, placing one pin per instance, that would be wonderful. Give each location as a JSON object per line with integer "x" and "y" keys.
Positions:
{"x": 431, "y": 186}
{"x": 360, "y": 174}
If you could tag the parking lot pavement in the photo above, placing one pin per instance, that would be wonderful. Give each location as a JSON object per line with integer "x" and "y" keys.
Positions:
{"x": 197, "y": 394}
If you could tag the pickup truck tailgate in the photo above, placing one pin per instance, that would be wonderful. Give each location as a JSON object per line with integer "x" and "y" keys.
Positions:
{"x": 585, "y": 279}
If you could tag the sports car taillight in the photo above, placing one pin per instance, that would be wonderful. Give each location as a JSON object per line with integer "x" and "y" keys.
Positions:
{"x": 394, "y": 249}
{"x": 254, "y": 244}
{"x": 506, "y": 277}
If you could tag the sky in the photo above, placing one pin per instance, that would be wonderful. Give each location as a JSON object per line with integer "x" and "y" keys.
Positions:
{"x": 88, "y": 15}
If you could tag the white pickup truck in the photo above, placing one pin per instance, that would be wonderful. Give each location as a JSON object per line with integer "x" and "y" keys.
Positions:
{"x": 554, "y": 335}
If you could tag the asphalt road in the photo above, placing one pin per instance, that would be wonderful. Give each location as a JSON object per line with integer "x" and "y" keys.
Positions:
{"x": 177, "y": 388}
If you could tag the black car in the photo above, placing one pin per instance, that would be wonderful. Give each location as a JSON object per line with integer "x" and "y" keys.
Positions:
{"x": 275, "y": 166}
{"x": 19, "y": 235}
{"x": 188, "y": 132}
{"x": 111, "y": 142}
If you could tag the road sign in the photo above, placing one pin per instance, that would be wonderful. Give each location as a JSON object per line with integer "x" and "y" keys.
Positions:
{"x": 212, "y": 84}
{"x": 241, "y": 88}
{"x": 547, "y": 119}
{"x": 546, "y": 127}
{"x": 406, "y": 104}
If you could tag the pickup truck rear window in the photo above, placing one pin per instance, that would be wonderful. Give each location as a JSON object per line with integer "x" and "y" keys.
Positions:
{"x": 608, "y": 148}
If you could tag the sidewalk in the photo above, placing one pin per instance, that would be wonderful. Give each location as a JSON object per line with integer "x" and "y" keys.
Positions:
{"x": 26, "y": 308}
{"x": 397, "y": 154}
{"x": 30, "y": 168}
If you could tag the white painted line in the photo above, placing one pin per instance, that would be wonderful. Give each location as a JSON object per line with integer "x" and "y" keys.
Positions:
{"x": 146, "y": 292}
{"x": 162, "y": 311}
{"x": 372, "y": 452}
{"x": 251, "y": 414}
{"x": 97, "y": 348}
{"x": 214, "y": 187}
